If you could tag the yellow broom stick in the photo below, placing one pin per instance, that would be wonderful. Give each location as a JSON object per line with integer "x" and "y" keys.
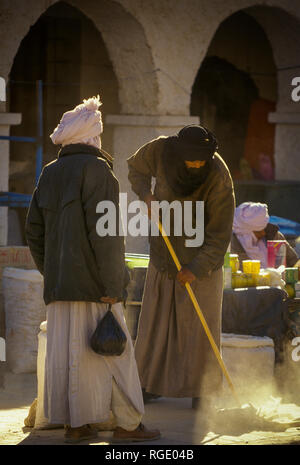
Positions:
{"x": 200, "y": 314}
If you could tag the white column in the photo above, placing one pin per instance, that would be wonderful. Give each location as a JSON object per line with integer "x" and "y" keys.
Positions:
{"x": 131, "y": 132}
{"x": 6, "y": 120}
{"x": 287, "y": 145}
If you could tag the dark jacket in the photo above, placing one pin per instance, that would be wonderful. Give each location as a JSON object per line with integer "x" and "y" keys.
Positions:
{"x": 77, "y": 264}
{"x": 272, "y": 234}
{"x": 219, "y": 203}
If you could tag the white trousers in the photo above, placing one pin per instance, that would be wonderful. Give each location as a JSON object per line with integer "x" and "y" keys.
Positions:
{"x": 82, "y": 387}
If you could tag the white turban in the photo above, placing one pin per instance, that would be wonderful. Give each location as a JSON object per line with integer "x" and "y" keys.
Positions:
{"x": 249, "y": 217}
{"x": 83, "y": 125}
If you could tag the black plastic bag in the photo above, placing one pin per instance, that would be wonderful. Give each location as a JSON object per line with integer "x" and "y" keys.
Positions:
{"x": 108, "y": 337}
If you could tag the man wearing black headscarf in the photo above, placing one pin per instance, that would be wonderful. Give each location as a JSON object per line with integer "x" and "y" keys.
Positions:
{"x": 173, "y": 353}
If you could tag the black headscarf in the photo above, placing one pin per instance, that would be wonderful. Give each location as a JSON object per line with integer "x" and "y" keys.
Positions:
{"x": 191, "y": 143}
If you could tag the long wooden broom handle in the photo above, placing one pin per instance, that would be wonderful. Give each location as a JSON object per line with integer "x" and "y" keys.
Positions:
{"x": 200, "y": 314}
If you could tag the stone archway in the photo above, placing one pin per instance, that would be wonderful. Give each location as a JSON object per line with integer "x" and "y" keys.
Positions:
{"x": 124, "y": 37}
{"x": 129, "y": 52}
{"x": 111, "y": 62}
{"x": 281, "y": 30}
{"x": 233, "y": 93}
{"x": 66, "y": 51}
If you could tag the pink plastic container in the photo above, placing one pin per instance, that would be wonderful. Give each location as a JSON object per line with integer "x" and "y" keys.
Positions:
{"x": 276, "y": 253}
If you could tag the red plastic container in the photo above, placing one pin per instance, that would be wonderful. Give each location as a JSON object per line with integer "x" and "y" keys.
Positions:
{"x": 276, "y": 253}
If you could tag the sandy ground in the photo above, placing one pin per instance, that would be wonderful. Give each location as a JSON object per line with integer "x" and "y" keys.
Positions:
{"x": 278, "y": 423}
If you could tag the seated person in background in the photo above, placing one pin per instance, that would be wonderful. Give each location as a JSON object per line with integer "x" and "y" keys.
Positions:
{"x": 252, "y": 230}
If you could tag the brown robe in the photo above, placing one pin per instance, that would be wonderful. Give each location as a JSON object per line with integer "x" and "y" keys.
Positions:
{"x": 173, "y": 353}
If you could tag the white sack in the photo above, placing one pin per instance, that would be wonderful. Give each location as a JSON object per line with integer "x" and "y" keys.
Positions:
{"x": 24, "y": 311}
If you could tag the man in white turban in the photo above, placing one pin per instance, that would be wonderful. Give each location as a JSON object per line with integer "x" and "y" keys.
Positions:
{"x": 251, "y": 230}
{"x": 83, "y": 273}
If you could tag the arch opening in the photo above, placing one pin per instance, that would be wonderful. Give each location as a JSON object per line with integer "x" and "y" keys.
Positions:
{"x": 233, "y": 93}
{"x": 66, "y": 51}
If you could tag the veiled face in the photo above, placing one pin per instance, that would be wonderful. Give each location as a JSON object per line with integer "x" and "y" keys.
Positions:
{"x": 186, "y": 170}
{"x": 195, "y": 164}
